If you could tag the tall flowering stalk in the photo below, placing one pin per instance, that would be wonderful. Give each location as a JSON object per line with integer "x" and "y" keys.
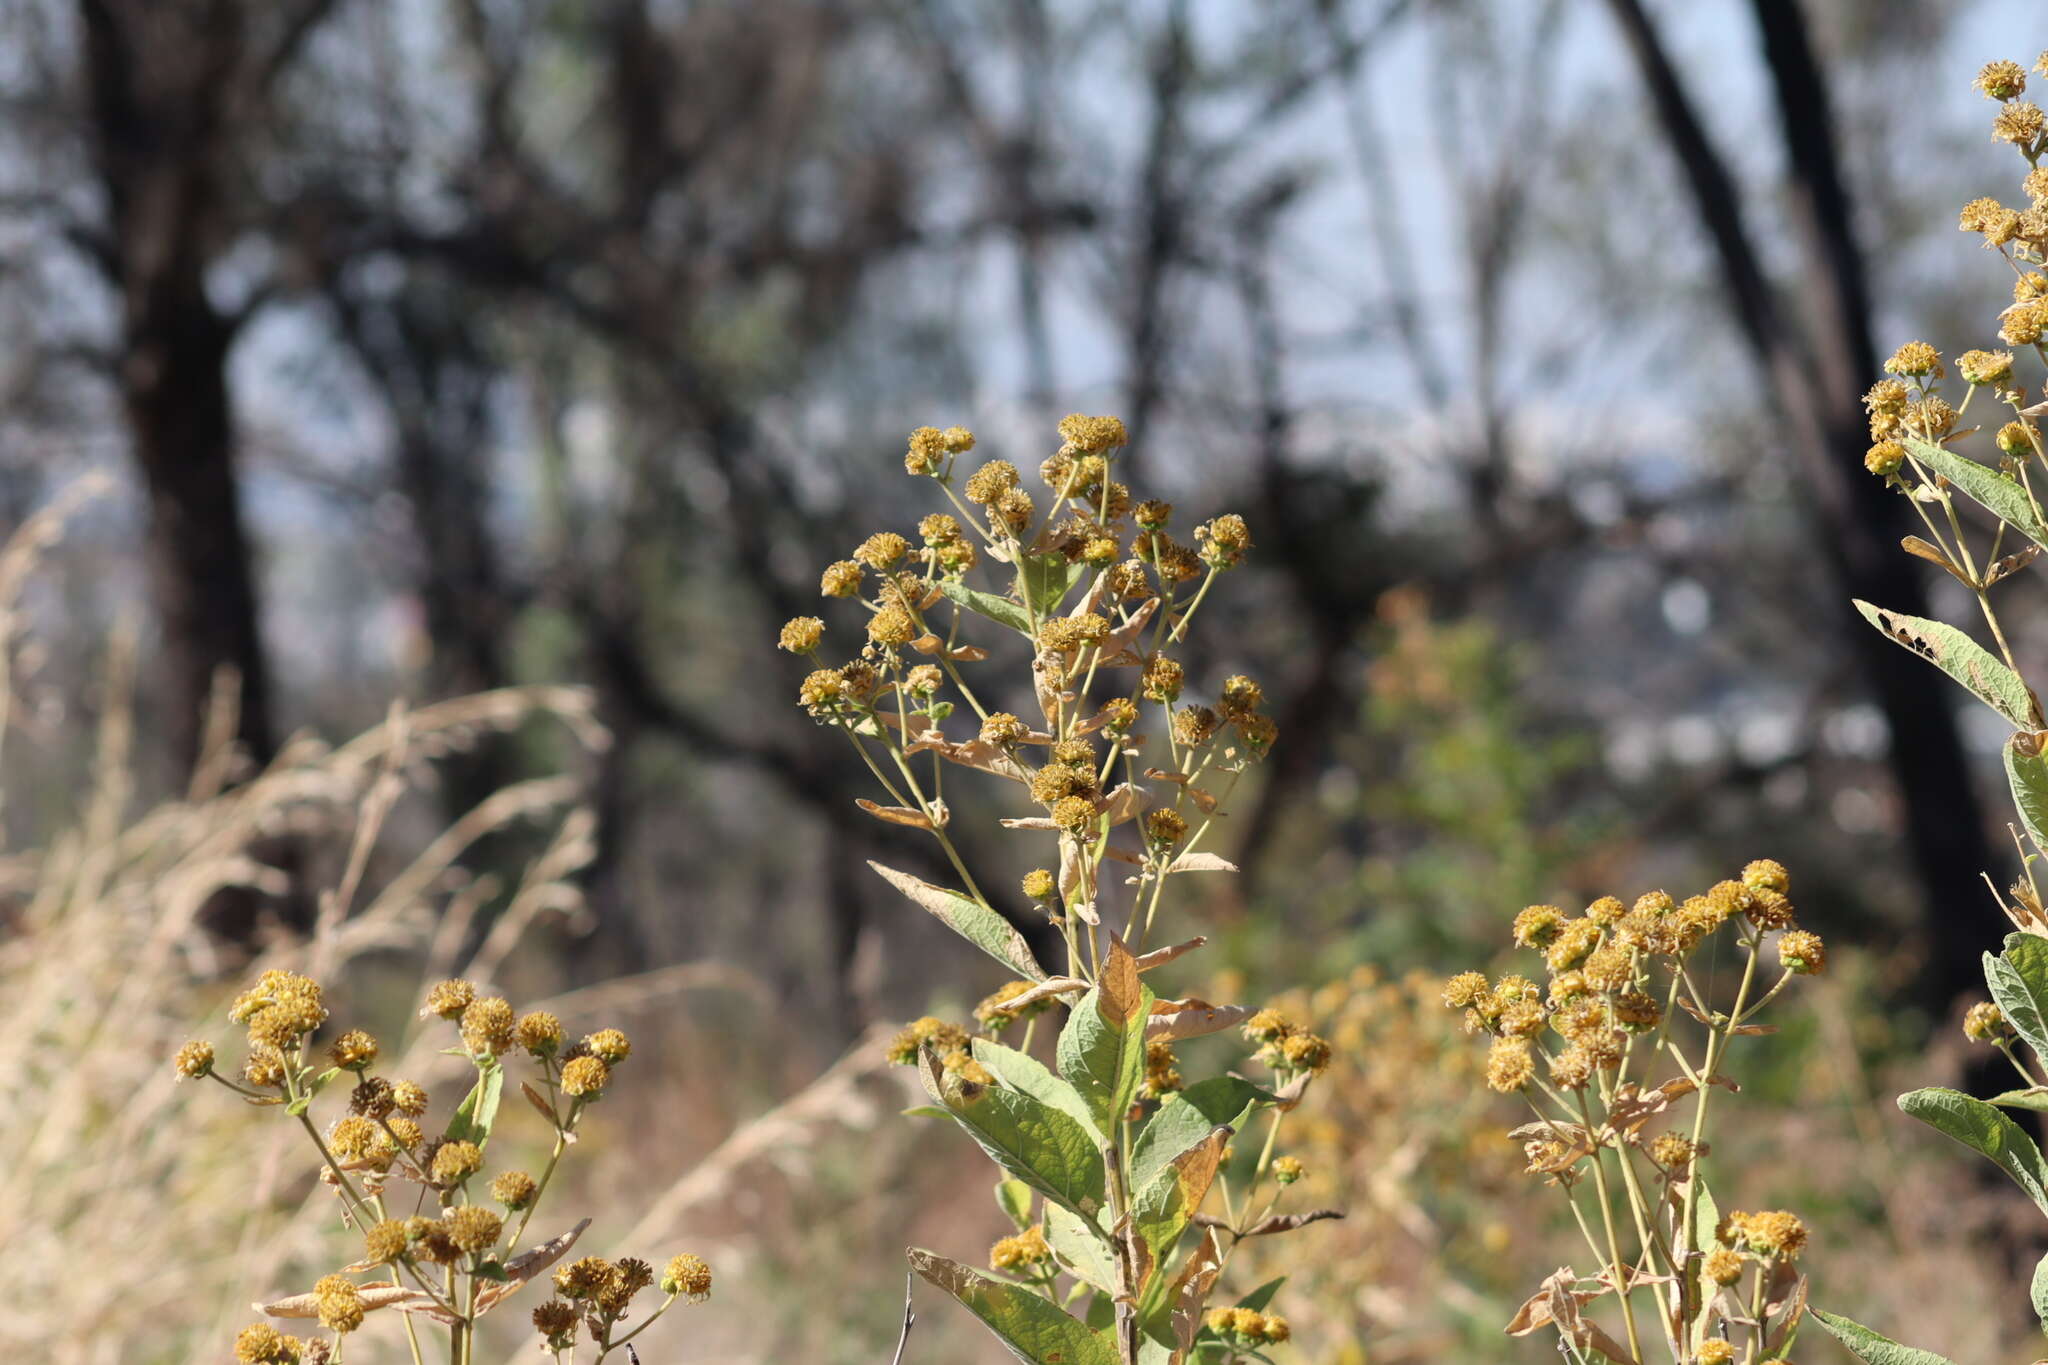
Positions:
{"x": 444, "y": 1241}
{"x": 1618, "y": 1057}
{"x": 1918, "y": 444}
{"x": 1127, "y": 1185}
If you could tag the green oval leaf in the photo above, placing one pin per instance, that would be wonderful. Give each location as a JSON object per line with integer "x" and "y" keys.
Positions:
{"x": 970, "y": 919}
{"x": 1982, "y": 1128}
{"x": 2018, "y": 979}
{"x": 2027, "y": 775}
{"x": 998, "y": 609}
{"x": 1102, "y": 1048}
{"x": 1050, "y": 1151}
{"x": 1031, "y": 1328}
{"x": 1867, "y": 1345}
{"x": 1997, "y": 494}
{"x": 1962, "y": 658}
{"x": 472, "y": 1119}
{"x": 1185, "y": 1118}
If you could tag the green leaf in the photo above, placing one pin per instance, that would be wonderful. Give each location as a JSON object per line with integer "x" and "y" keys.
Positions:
{"x": 1185, "y": 1118}
{"x": 1983, "y": 1128}
{"x": 1706, "y": 1216}
{"x": 1051, "y": 1151}
{"x": 2027, "y": 774}
{"x": 1998, "y": 494}
{"x": 970, "y": 919}
{"x": 1013, "y": 1197}
{"x": 2039, "y": 1292}
{"x": 1048, "y": 578}
{"x": 1033, "y": 1328}
{"x": 998, "y": 609}
{"x": 2018, "y": 979}
{"x": 1164, "y": 1204}
{"x": 1022, "y": 1071}
{"x": 1263, "y": 1295}
{"x": 313, "y": 1088}
{"x": 1102, "y": 1048}
{"x": 1867, "y": 1345}
{"x": 1962, "y": 658}
{"x": 1081, "y": 1246}
{"x": 473, "y": 1118}
{"x": 2033, "y": 1097}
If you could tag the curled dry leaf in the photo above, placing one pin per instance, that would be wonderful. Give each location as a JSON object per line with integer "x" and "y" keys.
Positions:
{"x": 974, "y": 753}
{"x": 375, "y": 1296}
{"x": 1200, "y": 862}
{"x": 1204, "y": 800}
{"x": 1191, "y": 1291}
{"x": 1028, "y": 822}
{"x": 2008, "y": 565}
{"x": 1191, "y": 1018}
{"x": 1633, "y": 1106}
{"x": 896, "y": 815}
{"x": 1118, "y": 648}
{"x": 1159, "y": 957}
{"x": 1914, "y": 545}
{"x": 1124, "y": 802}
{"x": 928, "y": 644}
{"x": 1045, "y": 990}
{"x": 1288, "y": 1222}
{"x": 523, "y": 1268}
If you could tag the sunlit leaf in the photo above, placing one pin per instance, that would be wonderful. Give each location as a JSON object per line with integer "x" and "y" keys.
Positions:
{"x": 970, "y": 919}
{"x": 998, "y": 609}
{"x": 1031, "y": 1327}
{"x": 1868, "y": 1346}
{"x": 1983, "y": 1128}
{"x": 1102, "y": 1048}
{"x": 1962, "y": 658}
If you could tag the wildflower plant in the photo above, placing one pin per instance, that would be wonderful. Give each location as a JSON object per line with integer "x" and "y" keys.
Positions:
{"x": 1124, "y": 1182}
{"x": 443, "y": 1237}
{"x": 1917, "y": 447}
{"x": 1618, "y": 1055}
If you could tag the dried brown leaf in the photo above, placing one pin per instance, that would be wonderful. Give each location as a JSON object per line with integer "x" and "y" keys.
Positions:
{"x": 895, "y": 815}
{"x": 1159, "y": 957}
{"x": 522, "y": 1269}
{"x": 1288, "y": 1222}
{"x": 1200, "y": 862}
{"x": 1191, "y": 1018}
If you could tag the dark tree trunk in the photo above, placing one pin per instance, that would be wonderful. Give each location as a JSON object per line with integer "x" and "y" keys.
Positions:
{"x": 1815, "y": 379}
{"x": 161, "y": 84}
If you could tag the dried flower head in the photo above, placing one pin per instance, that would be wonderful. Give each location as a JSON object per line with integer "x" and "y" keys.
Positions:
{"x": 1003, "y": 730}
{"x": 1225, "y": 541}
{"x": 487, "y": 1026}
{"x": 1027, "y": 1248}
{"x": 472, "y": 1227}
{"x": 585, "y": 1078}
{"x": 988, "y": 483}
{"x": 1038, "y": 884}
{"x": 937, "y": 1034}
{"x": 448, "y": 999}
{"x": 928, "y": 450}
{"x": 1802, "y": 953}
{"x": 800, "y": 634}
{"x": 2001, "y": 80}
{"x": 194, "y": 1060}
{"x": 338, "y": 1303}
{"x": 1984, "y": 1023}
{"x": 687, "y": 1277}
{"x": 1093, "y": 434}
{"x": 455, "y": 1162}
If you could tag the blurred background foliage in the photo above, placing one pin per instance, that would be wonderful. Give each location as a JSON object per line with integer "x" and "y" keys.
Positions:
{"x": 452, "y": 345}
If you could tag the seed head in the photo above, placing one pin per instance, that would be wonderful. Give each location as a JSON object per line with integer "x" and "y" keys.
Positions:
{"x": 582, "y": 1278}
{"x": 472, "y": 1227}
{"x": 2020, "y": 124}
{"x": 1118, "y": 715}
{"x": 1093, "y": 434}
{"x": 800, "y": 634}
{"x": 1673, "y": 1152}
{"x": 194, "y": 1060}
{"x": 988, "y": 483}
{"x": 2001, "y": 81}
{"x": 2013, "y": 440}
{"x": 264, "y": 1069}
{"x": 1165, "y": 827}
{"x": 882, "y": 551}
{"x": 1575, "y": 939}
{"x": 1038, "y": 884}
{"x": 262, "y": 1344}
{"x": 456, "y": 1162}
{"x": 1916, "y": 359}
{"x": 1288, "y": 1169}
{"x": 554, "y": 1320}
{"x": 585, "y": 1077}
{"x": 448, "y": 999}
{"x": 1074, "y": 814}
{"x": 539, "y": 1033}
{"x": 409, "y": 1097}
{"x": 371, "y": 1098}
{"x": 1026, "y": 1248}
{"x": 1460, "y": 991}
{"x": 1510, "y": 1065}
{"x": 1193, "y": 725}
{"x": 1305, "y": 1052}
{"x": 354, "y": 1137}
{"x": 1802, "y": 953}
{"x": 353, "y": 1051}
{"x": 942, "y": 1037}
{"x": 687, "y": 1277}
{"x": 1773, "y": 1233}
{"x": 609, "y": 1045}
{"x": 1003, "y": 730}
{"x": 1723, "y": 1266}
{"x": 1985, "y": 1023}
{"x": 338, "y": 1303}
{"x": 1884, "y": 458}
{"x": 1066, "y": 634}
{"x": 1770, "y": 910}
{"x": 1058, "y": 780}
{"x": 1224, "y": 541}
{"x": 1717, "y": 1351}
{"x": 1161, "y": 679}
{"x": 1538, "y": 926}
{"x": 1572, "y": 1068}
{"x": 487, "y": 1026}
{"x": 1012, "y": 511}
{"x": 384, "y": 1242}
{"x": 927, "y": 451}
{"x": 1985, "y": 367}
